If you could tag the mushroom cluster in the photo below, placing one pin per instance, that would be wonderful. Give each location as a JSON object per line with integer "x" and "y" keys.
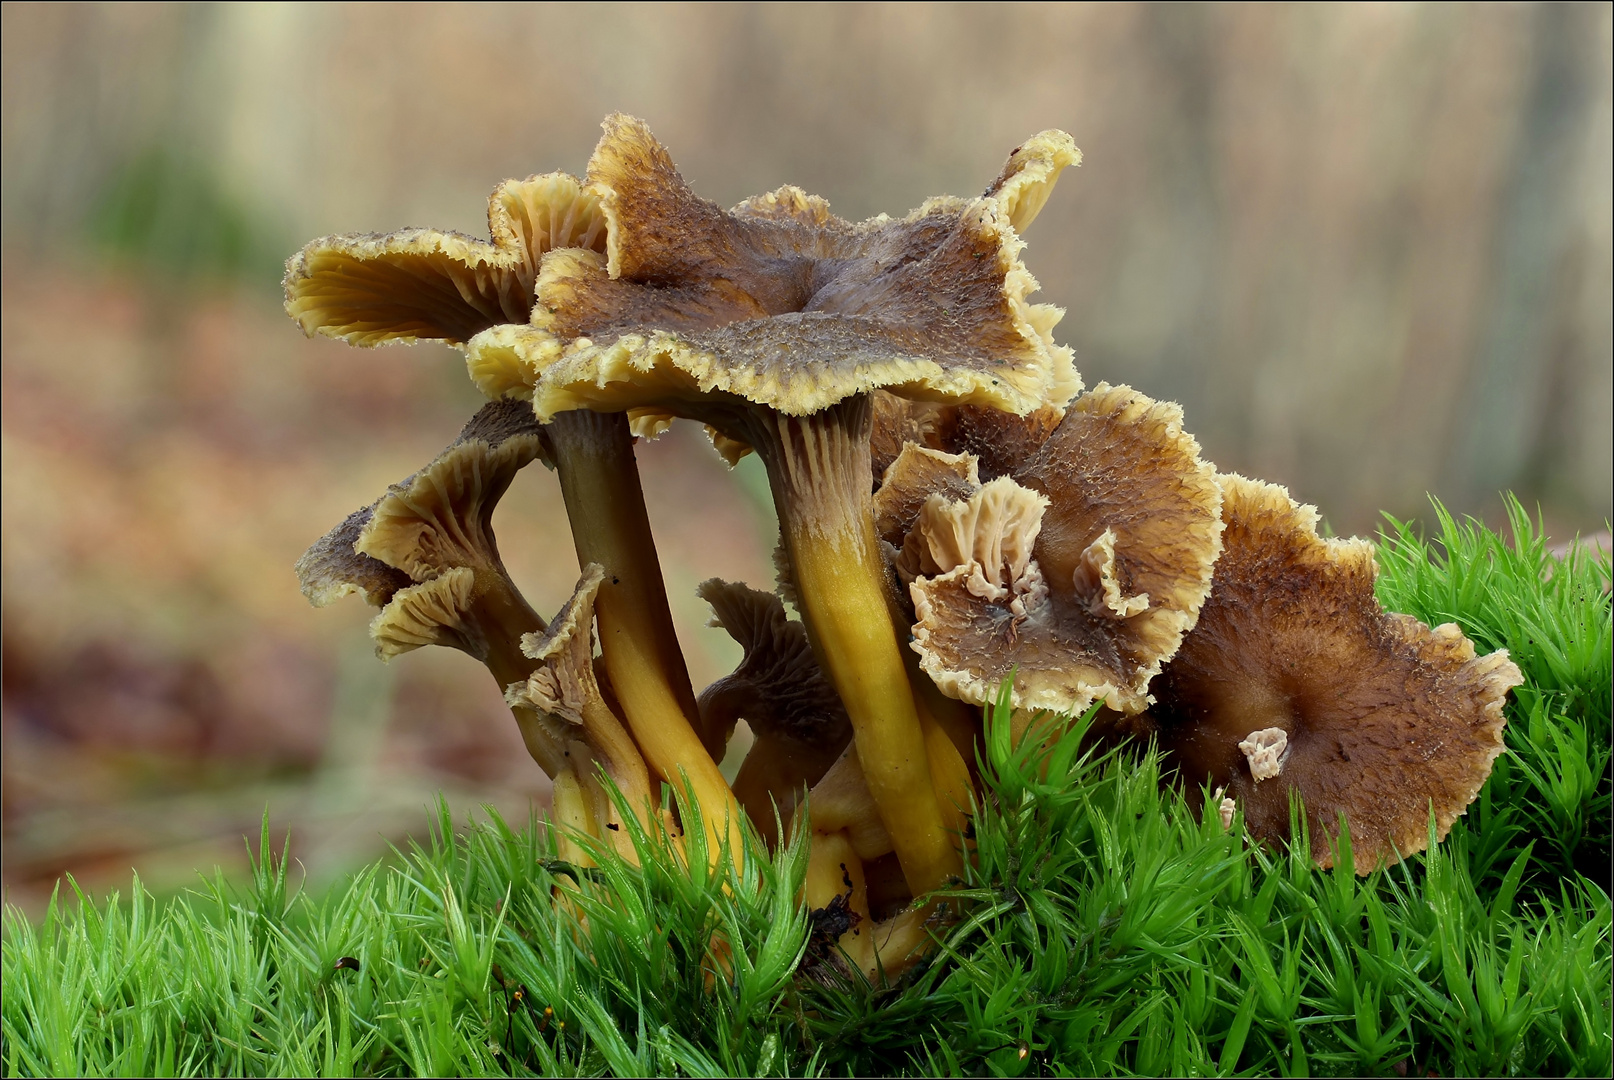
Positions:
{"x": 955, "y": 513}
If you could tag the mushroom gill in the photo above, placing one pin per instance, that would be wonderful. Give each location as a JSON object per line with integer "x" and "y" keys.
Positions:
{"x": 773, "y": 323}
{"x": 800, "y": 725}
{"x": 426, "y": 551}
{"x": 421, "y": 284}
{"x": 1295, "y": 679}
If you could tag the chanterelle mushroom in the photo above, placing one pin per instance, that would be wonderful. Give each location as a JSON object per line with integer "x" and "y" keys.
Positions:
{"x": 420, "y": 284}
{"x": 426, "y": 551}
{"x": 1295, "y": 678}
{"x": 773, "y": 323}
{"x": 1079, "y": 571}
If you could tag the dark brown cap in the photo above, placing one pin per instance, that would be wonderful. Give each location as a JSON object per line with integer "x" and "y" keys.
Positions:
{"x": 1296, "y": 679}
{"x": 783, "y": 304}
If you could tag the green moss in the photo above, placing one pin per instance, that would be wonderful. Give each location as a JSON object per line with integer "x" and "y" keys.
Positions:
{"x": 1553, "y": 618}
{"x": 1103, "y": 930}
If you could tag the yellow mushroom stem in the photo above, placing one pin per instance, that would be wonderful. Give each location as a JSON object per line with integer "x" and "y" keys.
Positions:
{"x": 894, "y": 945}
{"x": 833, "y": 869}
{"x": 504, "y": 618}
{"x": 888, "y": 948}
{"x": 818, "y": 467}
{"x": 599, "y": 480}
{"x": 959, "y": 720}
{"x": 841, "y": 801}
{"x": 949, "y": 773}
{"x": 603, "y": 819}
{"x": 572, "y": 814}
{"x": 582, "y": 807}
{"x": 955, "y": 770}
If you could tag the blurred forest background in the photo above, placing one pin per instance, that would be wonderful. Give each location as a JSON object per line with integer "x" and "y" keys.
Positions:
{"x": 1367, "y": 247}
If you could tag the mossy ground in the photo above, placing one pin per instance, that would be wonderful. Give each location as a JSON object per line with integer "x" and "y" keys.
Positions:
{"x": 1104, "y": 929}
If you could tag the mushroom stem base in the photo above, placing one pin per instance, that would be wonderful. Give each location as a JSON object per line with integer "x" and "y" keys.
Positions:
{"x": 818, "y": 466}
{"x": 604, "y": 743}
{"x": 599, "y": 480}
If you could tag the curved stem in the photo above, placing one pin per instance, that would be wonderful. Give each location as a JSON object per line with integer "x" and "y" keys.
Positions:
{"x": 898, "y": 943}
{"x": 599, "y": 480}
{"x": 841, "y": 801}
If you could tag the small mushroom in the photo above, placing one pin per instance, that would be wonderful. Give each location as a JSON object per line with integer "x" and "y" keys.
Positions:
{"x": 773, "y": 323}
{"x": 800, "y": 726}
{"x": 1295, "y": 679}
{"x": 1226, "y": 808}
{"x": 1079, "y": 572}
{"x": 563, "y": 688}
{"x": 1265, "y": 751}
{"x": 426, "y": 551}
{"x": 421, "y": 284}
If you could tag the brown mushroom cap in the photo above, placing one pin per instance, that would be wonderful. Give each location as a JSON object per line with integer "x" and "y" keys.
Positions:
{"x": 772, "y": 323}
{"x": 1295, "y": 678}
{"x": 781, "y": 303}
{"x": 917, "y": 474}
{"x": 330, "y": 569}
{"x": 419, "y": 284}
{"x": 1081, "y": 573}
